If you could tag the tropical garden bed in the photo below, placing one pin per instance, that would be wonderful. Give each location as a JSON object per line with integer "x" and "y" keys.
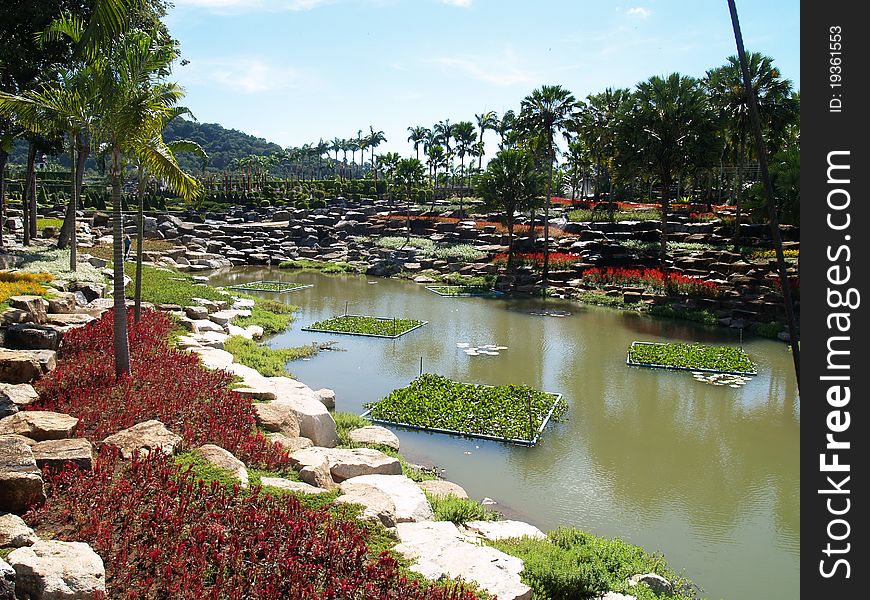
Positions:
{"x": 690, "y": 357}
{"x": 509, "y": 413}
{"x": 383, "y": 327}
{"x": 279, "y": 287}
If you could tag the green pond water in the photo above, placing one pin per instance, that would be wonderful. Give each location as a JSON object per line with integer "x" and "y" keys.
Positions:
{"x": 707, "y": 475}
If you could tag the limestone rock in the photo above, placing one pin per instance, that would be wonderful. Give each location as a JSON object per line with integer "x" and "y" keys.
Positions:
{"x": 377, "y": 506}
{"x": 54, "y": 570}
{"x": 318, "y": 475}
{"x": 501, "y": 530}
{"x": 63, "y": 303}
{"x": 290, "y": 444}
{"x": 15, "y": 533}
{"x": 440, "y": 487}
{"x": 375, "y": 434}
{"x": 7, "y": 581}
{"x": 223, "y": 459}
{"x": 196, "y": 313}
{"x": 262, "y": 394}
{"x": 68, "y": 321}
{"x": 32, "y": 336}
{"x": 411, "y": 504}
{"x": 20, "y": 480}
{"x": 39, "y": 425}
{"x": 277, "y": 417}
{"x": 56, "y": 453}
{"x": 289, "y": 485}
{"x": 204, "y": 325}
{"x": 144, "y": 437}
{"x": 24, "y": 366}
{"x": 34, "y": 306}
{"x": 439, "y": 549}
{"x": 326, "y": 396}
{"x": 214, "y": 359}
{"x": 315, "y": 422}
{"x": 658, "y": 584}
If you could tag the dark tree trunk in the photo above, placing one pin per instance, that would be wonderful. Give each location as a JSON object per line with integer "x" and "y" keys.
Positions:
{"x": 666, "y": 198}
{"x": 122, "y": 347}
{"x": 4, "y": 157}
{"x": 29, "y": 177}
{"x": 140, "y": 234}
{"x": 546, "y": 270}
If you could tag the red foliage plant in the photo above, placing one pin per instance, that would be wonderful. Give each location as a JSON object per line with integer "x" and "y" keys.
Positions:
{"x": 535, "y": 260}
{"x": 653, "y": 279}
{"x": 163, "y": 533}
{"x": 166, "y": 384}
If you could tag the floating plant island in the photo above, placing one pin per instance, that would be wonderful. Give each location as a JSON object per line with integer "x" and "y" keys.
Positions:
{"x": 690, "y": 357}
{"x": 509, "y": 413}
{"x": 384, "y": 327}
{"x": 455, "y": 291}
{"x": 270, "y": 286}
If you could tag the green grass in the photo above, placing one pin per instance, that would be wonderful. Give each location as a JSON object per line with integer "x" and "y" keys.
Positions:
{"x": 604, "y": 300}
{"x": 705, "y": 317}
{"x": 582, "y": 215}
{"x": 769, "y": 330}
{"x": 273, "y": 317}
{"x": 574, "y": 564}
{"x": 204, "y": 470}
{"x": 345, "y": 422}
{"x": 41, "y": 224}
{"x": 429, "y": 249}
{"x": 459, "y": 510}
{"x": 320, "y": 265}
{"x": 366, "y": 325}
{"x": 105, "y": 251}
{"x": 433, "y": 401}
{"x": 691, "y": 356}
{"x": 165, "y": 286}
{"x": 269, "y": 362}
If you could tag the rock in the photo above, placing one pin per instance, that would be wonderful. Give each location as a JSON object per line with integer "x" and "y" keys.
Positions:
{"x": 409, "y": 500}
{"x": 315, "y": 422}
{"x": 7, "y": 581}
{"x": 213, "y": 358}
{"x": 90, "y": 291}
{"x": 261, "y": 394}
{"x": 54, "y": 570}
{"x": 56, "y": 453}
{"x": 197, "y": 313}
{"x": 14, "y": 315}
{"x": 20, "y": 479}
{"x": 33, "y": 305}
{"x": 277, "y": 417}
{"x": 440, "y": 487}
{"x": 63, "y": 303}
{"x": 348, "y": 463}
{"x": 39, "y": 425}
{"x": 7, "y": 406}
{"x": 15, "y": 533}
{"x": 290, "y": 444}
{"x": 71, "y": 320}
{"x": 289, "y": 485}
{"x": 144, "y": 437}
{"x": 658, "y": 584}
{"x": 318, "y": 475}
{"x": 204, "y": 325}
{"x": 375, "y": 434}
{"x": 423, "y": 279}
{"x": 255, "y": 330}
{"x": 501, "y": 530}
{"x": 223, "y": 459}
{"x": 30, "y": 336}
{"x": 223, "y": 317}
{"x": 377, "y": 506}
{"x": 25, "y": 366}
{"x": 20, "y": 394}
{"x": 439, "y": 549}
{"x": 326, "y": 396}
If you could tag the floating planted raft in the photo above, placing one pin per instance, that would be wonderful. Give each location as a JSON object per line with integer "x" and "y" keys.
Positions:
{"x": 382, "y": 327}
{"x": 458, "y": 291}
{"x": 690, "y": 357}
{"x": 502, "y": 413}
{"x": 279, "y": 287}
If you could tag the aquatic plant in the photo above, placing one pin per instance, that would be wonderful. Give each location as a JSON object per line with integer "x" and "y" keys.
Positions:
{"x": 363, "y": 325}
{"x": 690, "y": 356}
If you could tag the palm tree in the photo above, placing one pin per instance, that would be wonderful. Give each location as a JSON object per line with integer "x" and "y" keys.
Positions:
{"x": 417, "y": 137}
{"x": 443, "y": 133}
{"x": 509, "y": 185}
{"x": 409, "y": 173}
{"x": 776, "y": 109}
{"x": 669, "y": 130}
{"x": 599, "y": 119}
{"x": 504, "y": 128}
{"x": 373, "y": 141}
{"x": 545, "y": 112}
{"x": 465, "y": 137}
{"x": 487, "y": 120}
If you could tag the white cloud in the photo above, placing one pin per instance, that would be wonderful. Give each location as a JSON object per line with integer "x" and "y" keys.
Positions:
{"x": 639, "y": 11}
{"x": 500, "y": 71}
{"x": 459, "y": 3}
{"x": 243, "y": 74}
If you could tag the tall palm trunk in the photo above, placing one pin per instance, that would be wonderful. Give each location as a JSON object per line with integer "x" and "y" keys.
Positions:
{"x": 547, "y": 222}
{"x": 738, "y": 189}
{"x": 666, "y": 207}
{"x": 67, "y": 230}
{"x": 122, "y": 346}
{"x": 29, "y": 176}
{"x": 140, "y": 236}
{"x": 34, "y": 212}
{"x": 4, "y": 157}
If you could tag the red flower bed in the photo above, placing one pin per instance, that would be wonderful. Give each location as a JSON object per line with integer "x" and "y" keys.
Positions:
{"x": 652, "y": 279}
{"x": 164, "y": 534}
{"x": 166, "y": 384}
{"x": 535, "y": 260}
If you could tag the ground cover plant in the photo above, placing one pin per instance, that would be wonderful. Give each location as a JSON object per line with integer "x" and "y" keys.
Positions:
{"x": 652, "y": 280}
{"x": 166, "y": 384}
{"x": 104, "y": 251}
{"x": 459, "y": 510}
{"x": 269, "y": 362}
{"x": 462, "y": 290}
{"x": 42, "y": 223}
{"x": 270, "y": 286}
{"x": 165, "y": 286}
{"x": 429, "y": 249}
{"x": 691, "y": 356}
{"x": 273, "y": 317}
{"x": 164, "y": 533}
{"x": 363, "y": 325}
{"x": 535, "y": 260}
{"x": 328, "y": 267}
{"x": 23, "y": 284}
{"x": 573, "y": 564}
{"x": 433, "y": 401}
{"x": 582, "y": 215}
{"x": 790, "y": 254}
{"x": 56, "y": 262}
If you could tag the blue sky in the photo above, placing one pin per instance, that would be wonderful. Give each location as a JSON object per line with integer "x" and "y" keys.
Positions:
{"x": 293, "y": 71}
